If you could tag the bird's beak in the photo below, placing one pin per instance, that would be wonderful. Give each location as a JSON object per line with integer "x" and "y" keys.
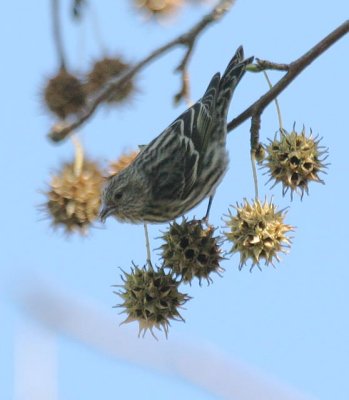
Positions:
{"x": 105, "y": 212}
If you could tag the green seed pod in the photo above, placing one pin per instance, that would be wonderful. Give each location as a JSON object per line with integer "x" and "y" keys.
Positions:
{"x": 258, "y": 232}
{"x": 191, "y": 250}
{"x": 294, "y": 160}
{"x": 151, "y": 297}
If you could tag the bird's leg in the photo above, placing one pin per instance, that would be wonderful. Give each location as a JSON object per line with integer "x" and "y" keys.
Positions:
{"x": 147, "y": 245}
{"x": 205, "y": 219}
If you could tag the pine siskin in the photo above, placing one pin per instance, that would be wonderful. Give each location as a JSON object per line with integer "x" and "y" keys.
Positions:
{"x": 181, "y": 166}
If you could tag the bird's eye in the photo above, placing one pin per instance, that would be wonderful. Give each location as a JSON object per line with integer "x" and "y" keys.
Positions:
{"x": 117, "y": 195}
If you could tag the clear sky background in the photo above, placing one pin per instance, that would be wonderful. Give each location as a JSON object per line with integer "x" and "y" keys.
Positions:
{"x": 289, "y": 324}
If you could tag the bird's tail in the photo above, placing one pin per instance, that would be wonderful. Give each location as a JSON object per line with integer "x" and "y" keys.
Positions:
{"x": 230, "y": 79}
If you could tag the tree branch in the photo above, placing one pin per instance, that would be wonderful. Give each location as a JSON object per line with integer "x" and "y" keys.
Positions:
{"x": 262, "y": 65}
{"x": 61, "y": 130}
{"x": 294, "y": 69}
{"x": 184, "y": 92}
{"x": 190, "y": 39}
{"x": 57, "y": 34}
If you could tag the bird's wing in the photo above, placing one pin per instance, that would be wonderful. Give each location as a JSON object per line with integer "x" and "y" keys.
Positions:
{"x": 169, "y": 162}
{"x": 204, "y": 111}
{"x": 172, "y": 158}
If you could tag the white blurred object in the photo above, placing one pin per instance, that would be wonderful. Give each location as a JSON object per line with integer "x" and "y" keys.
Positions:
{"x": 35, "y": 362}
{"x": 197, "y": 362}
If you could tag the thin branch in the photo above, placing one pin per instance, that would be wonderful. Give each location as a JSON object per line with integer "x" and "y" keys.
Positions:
{"x": 255, "y": 127}
{"x": 188, "y": 39}
{"x": 262, "y": 65}
{"x": 57, "y": 35}
{"x": 78, "y": 8}
{"x": 294, "y": 69}
{"x": 278, "y": 109}
{"x": 184, "y": 92}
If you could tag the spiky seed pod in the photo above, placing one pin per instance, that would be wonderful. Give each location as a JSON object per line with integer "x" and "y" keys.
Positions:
{"x": 258, "y": 232}
{"x": 102, "y": 72}
{"x": 73, "y": 200}
{"x": 122, "y": 162}
{"x": 64, "y": 94}
{"x": 191, "y": 250}
{"x": 151, "y": 297}
{"x": 159, "y": 8}
{"x": 294, "y": 160}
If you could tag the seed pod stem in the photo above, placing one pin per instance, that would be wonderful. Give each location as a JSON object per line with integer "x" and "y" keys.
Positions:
{"x": 79, "y": 155}
{"x": 275, "y": 100}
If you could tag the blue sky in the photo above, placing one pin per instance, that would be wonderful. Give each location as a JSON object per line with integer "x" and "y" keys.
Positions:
{"x": 287, "y": 326}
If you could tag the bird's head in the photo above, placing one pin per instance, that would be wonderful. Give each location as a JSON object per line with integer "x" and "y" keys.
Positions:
{"x": 123, "y": 197}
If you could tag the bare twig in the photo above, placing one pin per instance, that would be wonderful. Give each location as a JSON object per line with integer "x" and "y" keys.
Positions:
{"x": 57, "y": 36}
{"x": 188, "y": 39}
{"x": 262, "y": 65}
{"x": 278, "y": 110}
{"x": 294, "y": 69}
{"x": 184, "y": 92}
{"x": 61, "y": 131}
{"x": 77, "y": 8}
{"x": 255, "y": 127}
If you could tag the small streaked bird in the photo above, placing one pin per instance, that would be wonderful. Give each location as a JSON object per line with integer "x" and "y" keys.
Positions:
{"x": 183, "y": 165}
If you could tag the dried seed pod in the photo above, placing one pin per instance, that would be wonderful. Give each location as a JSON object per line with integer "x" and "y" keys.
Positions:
{"x": 105, "y": 70}
{"x": 64, "y": 94}
{"x": 122, "y": 162}
{"x": 159, "y": 8}
{"x": 73, "y": 200}
{"x": 151, "y": 297}
{"x": 295, "y": 160}
{"x": 258, "y": 232}
{"x": 191, "y": 250}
